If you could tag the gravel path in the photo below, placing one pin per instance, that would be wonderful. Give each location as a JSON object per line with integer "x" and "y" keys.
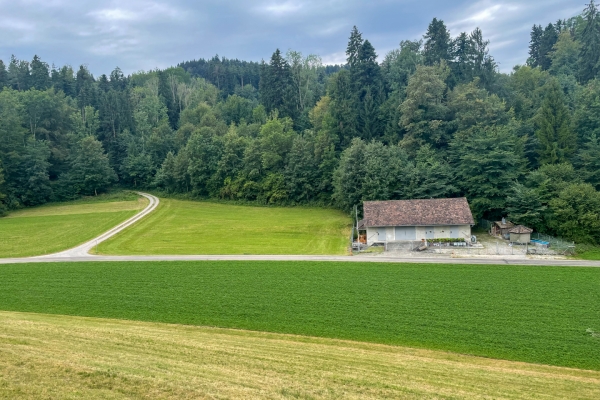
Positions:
{"x": 82, "y": 251}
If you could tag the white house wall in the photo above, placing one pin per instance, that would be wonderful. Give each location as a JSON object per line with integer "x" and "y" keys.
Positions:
{"x": 439, "y": 232}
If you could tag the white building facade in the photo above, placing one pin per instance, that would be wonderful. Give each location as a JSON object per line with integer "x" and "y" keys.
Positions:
{"x": 416, "y": 220}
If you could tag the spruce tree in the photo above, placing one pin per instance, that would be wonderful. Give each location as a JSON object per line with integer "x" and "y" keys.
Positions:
{"x": 18, "y": 74}
{"x": 40, "y": 74}
{"x": 589, "y": 59}
{"x": 355, "y": 43}
{"x": 547, "y": 42}
{"x": 3, "y": 75}
{"x": 437, "y": 43}
{"x": 276, "y": 86}
{"x": 556, "y": 139}
{"x": 534, "y": 46}
{"x": 588, "y": 161}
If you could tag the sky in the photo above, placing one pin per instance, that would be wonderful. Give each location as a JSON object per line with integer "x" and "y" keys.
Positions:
{"x": 146, "y": 34}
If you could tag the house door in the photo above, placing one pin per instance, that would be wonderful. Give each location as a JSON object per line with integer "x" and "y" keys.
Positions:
{"x": 429, "y": 233}
{"x": 454, "y": 232}
{"x": 381, "y": 235}
{"x": 406, "y": 233}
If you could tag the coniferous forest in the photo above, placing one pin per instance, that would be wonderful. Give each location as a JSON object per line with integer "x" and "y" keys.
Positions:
{"x": 435, "y": 118}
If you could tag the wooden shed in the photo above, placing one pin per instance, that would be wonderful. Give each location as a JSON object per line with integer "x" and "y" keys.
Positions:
{"x": 502, "y": 228}
{"x": 520, "y": 234}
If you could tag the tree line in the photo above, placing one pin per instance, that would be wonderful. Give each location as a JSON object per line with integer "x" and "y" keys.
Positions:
{"x": 434, "y": 118}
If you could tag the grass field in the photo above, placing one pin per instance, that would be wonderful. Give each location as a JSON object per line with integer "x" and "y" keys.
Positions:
{"x": 61, "y": 357}
{"x": 52, "y": 228}
{"x": 588, "y": 252}
{"x": 187, "y": 227}
{"x": 547, "y": 315}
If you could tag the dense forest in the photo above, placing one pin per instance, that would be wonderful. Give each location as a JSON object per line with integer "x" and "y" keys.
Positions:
{"x": 434, "y": 118}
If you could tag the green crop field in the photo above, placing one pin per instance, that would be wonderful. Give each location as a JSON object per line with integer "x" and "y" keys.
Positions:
{"x": 547, "y": 315}
{"x": 188, "y": 227}
{"x": 60, "y": 226}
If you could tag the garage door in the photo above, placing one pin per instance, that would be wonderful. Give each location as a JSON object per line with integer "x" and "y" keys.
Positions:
{"x": 406, "y": 233}
{"x": 454, "y": 231}
{"x": 429, "y": 234}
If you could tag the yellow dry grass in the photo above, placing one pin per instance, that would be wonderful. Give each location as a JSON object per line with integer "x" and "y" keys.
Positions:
{"x": 49, "y": 356}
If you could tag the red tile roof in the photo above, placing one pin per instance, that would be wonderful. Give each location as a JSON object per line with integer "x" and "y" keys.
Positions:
{"x": 520, "y": 229}
{"x": 418, "y": 212}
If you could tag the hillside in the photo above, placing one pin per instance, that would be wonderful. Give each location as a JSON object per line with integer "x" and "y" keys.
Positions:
{"x": 189, "y": 227}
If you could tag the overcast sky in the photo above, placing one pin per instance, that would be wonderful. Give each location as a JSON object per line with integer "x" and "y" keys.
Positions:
{"x": 143, "y": 34}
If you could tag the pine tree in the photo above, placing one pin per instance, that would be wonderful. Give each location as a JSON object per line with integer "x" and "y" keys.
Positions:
{"x": 355, "y": 43}
{"x": 534, "y": 46}
{"x": 3, "y": 75}
{"x": 40, "y": 74}
{"x": 437, "y": 43}
{"x": 343, "y": 107}
{"x": 366, "y": 71}
{"x": 557, "y": 140}
{"x": 589, "y": 60}
{"x": 18, "y": 74}
{"x": 462, "y": 67}
{"x": 588, "y": 161}
{"x": 547, "y": 42}
{"x": 276, "y": 86}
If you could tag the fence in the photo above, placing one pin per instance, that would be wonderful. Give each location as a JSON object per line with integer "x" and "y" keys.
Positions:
{"x": 554, "y": 246}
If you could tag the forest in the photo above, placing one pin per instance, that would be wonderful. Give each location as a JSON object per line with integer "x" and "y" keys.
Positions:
{"x": 434, "y": 118}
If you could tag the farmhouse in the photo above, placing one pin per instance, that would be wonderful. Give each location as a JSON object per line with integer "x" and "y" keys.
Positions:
{"x": 404, "y": 220}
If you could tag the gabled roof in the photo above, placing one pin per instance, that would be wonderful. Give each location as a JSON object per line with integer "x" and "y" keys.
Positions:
{"x": 505, "y": 225}
{"x": 418, "y": 212}
{"x": 520, "y": 229}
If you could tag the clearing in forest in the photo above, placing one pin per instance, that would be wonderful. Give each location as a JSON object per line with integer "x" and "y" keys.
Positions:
{"x": 53, "y": 356}
{"x": 52, "y": 228}
{"x": 189, "y": 227}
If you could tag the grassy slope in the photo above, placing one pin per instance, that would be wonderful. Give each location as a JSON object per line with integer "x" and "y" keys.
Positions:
{"x": 528, "y": 314}
{"x": 44, "y": 356}
{"x": 52, "y": 228}
{"x": 186, "y": 227}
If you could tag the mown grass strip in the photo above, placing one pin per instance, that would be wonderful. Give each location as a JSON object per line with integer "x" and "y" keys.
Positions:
{"x": 62, "y": 357}
{"x": 534, "y": 314}
{"x": 192, "y": 227}
{"x": 51, "y": 228}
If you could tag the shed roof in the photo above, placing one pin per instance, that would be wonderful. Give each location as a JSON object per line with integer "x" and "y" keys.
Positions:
{"x": 418, "y": 212}
{"x": 505, "y": 225}
{"x": 520, "y": 229}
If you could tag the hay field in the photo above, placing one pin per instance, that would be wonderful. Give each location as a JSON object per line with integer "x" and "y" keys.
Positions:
{"x": 51, "y": 356}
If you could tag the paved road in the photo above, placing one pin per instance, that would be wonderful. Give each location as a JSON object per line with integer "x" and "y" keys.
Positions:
{"x": 81, "y": 253}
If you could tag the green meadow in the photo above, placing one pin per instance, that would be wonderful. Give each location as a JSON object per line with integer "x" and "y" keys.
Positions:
{"x": 56, "y": 227}
{"x": 545, "y": 315}
{"x": 190, "y": 227}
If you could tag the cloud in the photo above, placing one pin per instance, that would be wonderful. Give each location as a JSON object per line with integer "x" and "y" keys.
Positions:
{"x": 146, "y": 34}
{"x": 281, "y": 8}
